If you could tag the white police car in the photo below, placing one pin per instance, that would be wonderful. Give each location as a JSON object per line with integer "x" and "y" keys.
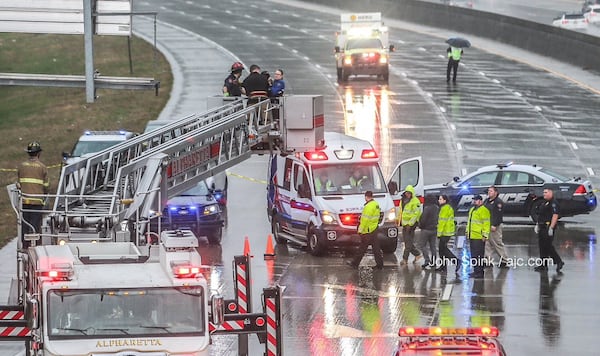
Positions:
{"x": 520, "y": 187}
{"x": 95, "y": 141}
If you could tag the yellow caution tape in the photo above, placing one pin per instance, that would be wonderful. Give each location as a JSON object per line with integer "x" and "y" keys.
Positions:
{"x": 247, "y": 178}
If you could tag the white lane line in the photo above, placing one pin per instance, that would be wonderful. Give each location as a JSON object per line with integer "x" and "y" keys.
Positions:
{"x": 453, "y": 127}
{"x": 590, "y": 171}
{"x": 574, "y": 145}
{"x": 442, "y": 109}
{"x": 557, "y": 125}
{"x": 459, "y": 146}
{"x": 447, "y": 293}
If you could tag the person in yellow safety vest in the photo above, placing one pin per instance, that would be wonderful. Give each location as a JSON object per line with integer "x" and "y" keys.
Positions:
{"x": 454, "y": 55}
{"x": 367, "y": 230}
{"x": 446, "y": 228}
{"x": 357, "y": 178}
{"x": 323, "y": 183}
{"x": 411, "y": 212}
{"x": 478, "y": 230}
{"x": 32, "y": 180}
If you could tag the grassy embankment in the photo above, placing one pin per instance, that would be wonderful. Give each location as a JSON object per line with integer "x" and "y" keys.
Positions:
{"x": 56, "y": 117}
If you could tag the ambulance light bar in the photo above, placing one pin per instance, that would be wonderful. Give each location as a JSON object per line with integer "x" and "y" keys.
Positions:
{"x": 58, "y": 271}
{"x": 316, "y": 156}
{"x": 184, "y": 269}
{"x": 490, "y": 331}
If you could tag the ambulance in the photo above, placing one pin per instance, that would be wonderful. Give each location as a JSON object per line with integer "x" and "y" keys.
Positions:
{"x": 315, "y": 198}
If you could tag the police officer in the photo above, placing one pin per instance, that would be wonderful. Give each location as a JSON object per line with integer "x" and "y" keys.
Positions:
{"x": 232, "y": 86}
{"x": 33, "y": 182}
{"x": 454, "y": 55}
{"x": 411, "y": 213}
{"x": 367, "y": 229}
{"x": 478, "y": 231}
{"x": 495, "y": 244}
{"x": 548, "y": 215}
{"x": 256, "y": 85}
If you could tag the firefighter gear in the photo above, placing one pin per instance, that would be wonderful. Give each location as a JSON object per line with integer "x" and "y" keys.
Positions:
{"x": 33, "y": 179}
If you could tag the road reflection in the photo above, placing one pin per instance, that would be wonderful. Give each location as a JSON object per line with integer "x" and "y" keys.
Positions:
{"x": 548, "y": 310}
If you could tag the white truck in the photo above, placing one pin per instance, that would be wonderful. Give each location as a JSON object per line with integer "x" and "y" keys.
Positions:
{"x": 362, "y": 46}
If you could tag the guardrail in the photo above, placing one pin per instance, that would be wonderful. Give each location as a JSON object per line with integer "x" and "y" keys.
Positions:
{"x": 78, "y": 81}
{"x": 572, "y": 47}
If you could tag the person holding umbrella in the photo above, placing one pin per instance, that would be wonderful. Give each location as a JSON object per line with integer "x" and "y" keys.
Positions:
{"x": 454, "y": 54}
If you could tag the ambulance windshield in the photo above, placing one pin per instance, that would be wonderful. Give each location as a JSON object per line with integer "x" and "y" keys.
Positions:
{"x": 341, "y": 179}
{"x": 142, "y": 312}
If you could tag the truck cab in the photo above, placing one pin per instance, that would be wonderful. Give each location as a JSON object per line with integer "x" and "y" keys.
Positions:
{"x": 315, "y": 198}
{"x": 362, "y": 47}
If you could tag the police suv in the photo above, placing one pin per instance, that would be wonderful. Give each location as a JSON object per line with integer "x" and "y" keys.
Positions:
{"x": 315, "y": 198}
{"x": 520, "y": 187}
{"x": 95, "y": 141}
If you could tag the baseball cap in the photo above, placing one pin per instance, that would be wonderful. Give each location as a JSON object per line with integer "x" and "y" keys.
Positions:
{"x": 478, "y": 197}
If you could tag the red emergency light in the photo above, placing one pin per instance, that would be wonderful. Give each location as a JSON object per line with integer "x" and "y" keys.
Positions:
{"x": 185, "y": 270}
{"x": 366, "y": 154}
{"x": 316, "y": 156}
{"x": 58, "y": 272}
{"x": 489, "y": 331}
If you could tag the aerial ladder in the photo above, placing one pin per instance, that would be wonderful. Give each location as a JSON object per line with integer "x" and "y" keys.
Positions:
{"x": 113, "y": 194}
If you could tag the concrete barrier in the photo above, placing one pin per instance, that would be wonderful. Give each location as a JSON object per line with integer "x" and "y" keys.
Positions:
{"x": 572, "y": 47}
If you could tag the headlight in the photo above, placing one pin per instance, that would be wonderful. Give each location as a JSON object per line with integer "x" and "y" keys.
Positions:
{"x": 211, "y": 209}
{"x": 327, "y": 217}
{"x": 348, "y": 60}
{"x": 383, "y": 59}
{"x": 391, "y": 215}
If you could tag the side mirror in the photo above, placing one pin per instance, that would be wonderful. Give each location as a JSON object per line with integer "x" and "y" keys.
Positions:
{"x": 65, "y": 155}
{"x": 336, "y": 49}
{"x": 456, "y": 179}
{"x": 392, "y": 48}
{"x": 217, "y": 309}
{"x": 393, "y": 187}
{"x": 31, "y": 313}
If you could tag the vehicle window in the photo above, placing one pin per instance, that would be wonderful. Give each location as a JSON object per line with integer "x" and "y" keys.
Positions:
{"x": 287, "y": 179}
{"x": 199, "y": 189}
{"x": 536, "y": 180}
{"x": 515, "y": 178}
{"x": 83, "y": 147}
{"x": 554, "y": 174}
{"x": 299, "y": 176}
{"x": 349, "y": 178}
{"x": 363, "y": 43}
{"x": 482, "y": 180}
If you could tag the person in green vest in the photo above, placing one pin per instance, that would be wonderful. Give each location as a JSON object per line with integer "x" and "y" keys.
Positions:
{"x": 478, "y": 231}
{"x": 367, "y": 230}
{"x": 323, "y": 183}
{"x": 454, "y": 55}
{"x": 446, "y": 228}
{"x": 411, "y": 213}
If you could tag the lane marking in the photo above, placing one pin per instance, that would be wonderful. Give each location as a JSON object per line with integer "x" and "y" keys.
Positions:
{"x": 590, "y": 171}
{"x": 459, "y": 146}
{"x": 557, "y": 125}
{"x": 574, "y": 145}
{"x": 447, "y": 293}
{"x": 453, "y": 127}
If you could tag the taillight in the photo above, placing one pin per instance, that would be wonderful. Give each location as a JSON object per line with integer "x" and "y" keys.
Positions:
{"x": 315, "y": 156}
{"x": 580, "y": 190}
{"x": 368, "y": 154}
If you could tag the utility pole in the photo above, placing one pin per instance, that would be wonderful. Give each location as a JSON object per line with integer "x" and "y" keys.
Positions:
{"x": 88, "y": 39}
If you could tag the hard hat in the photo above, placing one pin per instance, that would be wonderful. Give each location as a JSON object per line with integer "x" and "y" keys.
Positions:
{"x": 34, "y": 147}
{"x": 237, "y": 66}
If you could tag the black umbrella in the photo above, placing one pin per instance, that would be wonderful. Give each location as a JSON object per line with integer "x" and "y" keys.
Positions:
{"x": 458, "y": 42}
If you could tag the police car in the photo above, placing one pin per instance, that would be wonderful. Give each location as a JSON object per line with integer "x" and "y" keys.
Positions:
{"x": 520, "y": 187}
{"x": 95, "y": 141}
{"x": 449, "y": 341}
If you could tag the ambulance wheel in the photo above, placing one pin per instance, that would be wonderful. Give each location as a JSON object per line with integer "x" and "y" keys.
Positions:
{"x": 276, "y": 230}
{"x": 389, "y": 245}
{"x": 214, "y": 238}
{"x": 315, "y": 246}
{"x": 533, "y": 211}
{"x": 339, "y": 74}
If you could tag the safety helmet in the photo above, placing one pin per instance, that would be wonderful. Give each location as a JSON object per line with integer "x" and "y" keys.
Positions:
{"x": 34, "y": 147}
{"x": 237, "y": 66}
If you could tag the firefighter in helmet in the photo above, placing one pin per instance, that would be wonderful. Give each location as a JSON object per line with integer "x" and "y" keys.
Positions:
{"x": 232, "y": 85}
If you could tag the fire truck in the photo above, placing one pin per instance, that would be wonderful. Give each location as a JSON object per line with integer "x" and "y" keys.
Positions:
{"x": 362, "y": 46}
{"x": 97, "y": 281}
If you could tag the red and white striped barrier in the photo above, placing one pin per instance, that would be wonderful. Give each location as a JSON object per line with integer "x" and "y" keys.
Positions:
{"x": 14, "y": 331}
{"x": 11, "y": 314}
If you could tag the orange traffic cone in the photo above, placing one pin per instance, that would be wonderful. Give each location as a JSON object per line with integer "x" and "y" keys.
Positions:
{"x": 270, "y": 253}
{"x": 246, "y": 247}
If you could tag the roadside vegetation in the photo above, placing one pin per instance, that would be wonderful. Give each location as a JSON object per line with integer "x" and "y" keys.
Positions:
{"x": 56, "y": 117}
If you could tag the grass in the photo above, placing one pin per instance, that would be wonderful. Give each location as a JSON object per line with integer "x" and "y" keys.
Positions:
{"x": 56, "y": 117}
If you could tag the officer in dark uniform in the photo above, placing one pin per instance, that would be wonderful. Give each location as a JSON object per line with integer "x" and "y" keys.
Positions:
{"x": 231, "y": 86}
{"x": 495, "y": 244}
{"x": 256, "y": 85}
{"x": 548, "y": 215}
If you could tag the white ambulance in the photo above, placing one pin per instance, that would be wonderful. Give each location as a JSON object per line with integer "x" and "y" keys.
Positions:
{"x": 315, "y": 198}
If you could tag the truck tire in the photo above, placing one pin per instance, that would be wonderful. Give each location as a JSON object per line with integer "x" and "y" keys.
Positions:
{"x": 389, "y": 245}
{"x": 276, "y": 230}
{"x": 315, "y": 246}
{"x": 339, "y": 74}
{"x": 215, "y": 237}
{"x": 345, "y": 75}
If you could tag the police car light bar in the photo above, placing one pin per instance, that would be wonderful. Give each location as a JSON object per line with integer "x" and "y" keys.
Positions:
{"x": 490, "y": 331}
{"x": 504, "y": 165}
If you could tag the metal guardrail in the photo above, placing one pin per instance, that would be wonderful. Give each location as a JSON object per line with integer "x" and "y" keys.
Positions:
{"x": 78, "y": 81}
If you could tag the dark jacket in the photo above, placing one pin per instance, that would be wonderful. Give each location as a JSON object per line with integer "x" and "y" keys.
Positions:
{"x": 429, "y": 218}
{"x": 496, "y": 207}
{"x": 256, "y": 85}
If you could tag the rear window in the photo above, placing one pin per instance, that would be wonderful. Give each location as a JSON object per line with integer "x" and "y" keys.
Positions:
{"x": 574, "y": 16}
{"x": 554, "y": 174}
{"x": 84, "y": 147}
{"x": 363, "y": 43}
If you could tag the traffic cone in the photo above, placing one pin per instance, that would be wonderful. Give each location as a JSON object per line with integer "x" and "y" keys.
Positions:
{"x": 270, "y": 253}
{"x": 247, "y": 247}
